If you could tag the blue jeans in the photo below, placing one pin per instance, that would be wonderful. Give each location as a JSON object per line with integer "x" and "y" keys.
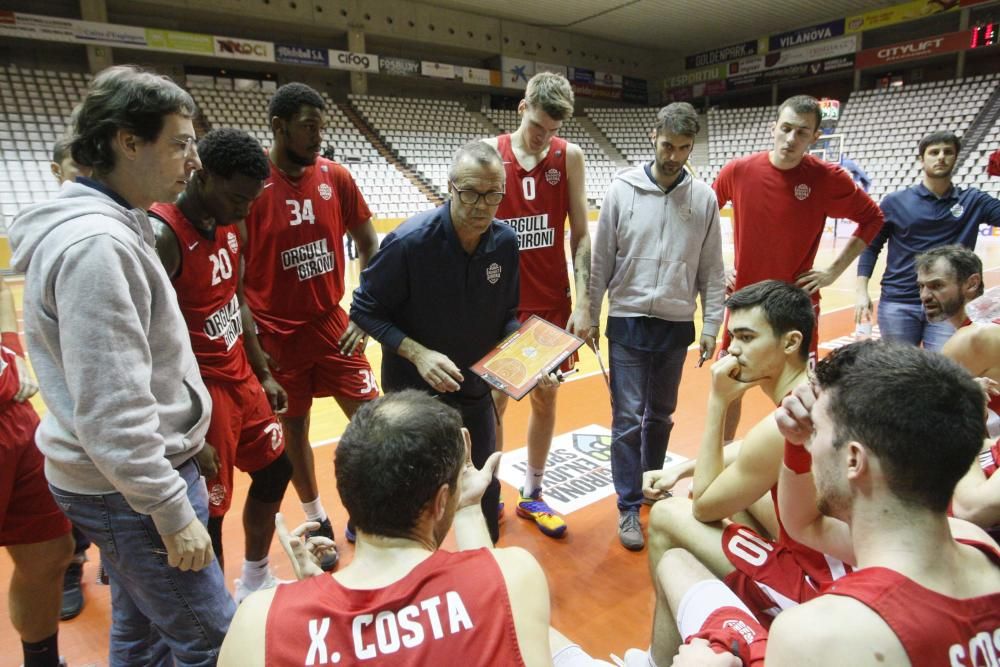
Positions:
{"x": 644, "y": 387}
{"x": 907, "y": 323}
{"x": 159, "y": 615}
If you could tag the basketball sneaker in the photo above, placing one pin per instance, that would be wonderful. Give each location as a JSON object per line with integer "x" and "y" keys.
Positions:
{"x": 534, "y": 508}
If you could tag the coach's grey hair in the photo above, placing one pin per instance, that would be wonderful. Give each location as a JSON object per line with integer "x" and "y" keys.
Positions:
{"x": 480, "y": 152}
{"x": 678, "y": 118}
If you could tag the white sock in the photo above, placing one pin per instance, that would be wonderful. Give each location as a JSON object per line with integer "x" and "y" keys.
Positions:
{"x": 254, "y": 573}
{"x": 532, "y": 480}
{"x": 314, "y": 510}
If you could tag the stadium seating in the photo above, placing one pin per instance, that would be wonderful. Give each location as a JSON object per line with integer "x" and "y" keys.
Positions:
{"x": 423, "y": 133}
{"x": 627, "y": 129}
{"x": 388, "y": 192}
{"x": 34, "y": 106}
{"x": 882, "y": 128}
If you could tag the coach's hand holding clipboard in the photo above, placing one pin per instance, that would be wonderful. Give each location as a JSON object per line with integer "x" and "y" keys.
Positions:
{"x": 517, "y": 363}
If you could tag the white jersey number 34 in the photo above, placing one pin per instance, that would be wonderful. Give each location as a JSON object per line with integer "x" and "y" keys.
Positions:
{"x": 300, "y": 211}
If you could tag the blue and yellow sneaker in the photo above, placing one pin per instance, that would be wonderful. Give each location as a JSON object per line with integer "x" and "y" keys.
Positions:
{"x": 534, "y": 508}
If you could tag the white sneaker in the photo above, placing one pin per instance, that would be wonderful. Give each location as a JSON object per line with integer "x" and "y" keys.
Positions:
{"x": 270, "y": 581}
{"x": 636, "y": 657}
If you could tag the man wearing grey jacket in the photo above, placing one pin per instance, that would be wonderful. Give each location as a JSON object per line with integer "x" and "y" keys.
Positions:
{"x": 128, "y": 411}
{"x": 658, "y": 247}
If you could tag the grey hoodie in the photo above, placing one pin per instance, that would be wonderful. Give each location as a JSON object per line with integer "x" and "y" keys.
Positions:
{"x": 654, "y": 252}
{"x": 111, "y": 350}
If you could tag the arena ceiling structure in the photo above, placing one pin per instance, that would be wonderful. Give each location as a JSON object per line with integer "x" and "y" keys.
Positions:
{"x": 678, "y": 26}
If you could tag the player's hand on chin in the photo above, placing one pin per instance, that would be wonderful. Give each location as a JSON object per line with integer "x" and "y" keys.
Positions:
{"x": 727, "y": 384}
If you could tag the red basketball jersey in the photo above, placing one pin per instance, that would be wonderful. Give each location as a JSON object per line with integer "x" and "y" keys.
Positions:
{"x": 536, "y": 206}
{"x": 206, "y": 292}
{"x": 452, "y": 609}
{"x": 295, "y": 250}
{"x": 10, "y": 380}
{"x": 934, "y": 629}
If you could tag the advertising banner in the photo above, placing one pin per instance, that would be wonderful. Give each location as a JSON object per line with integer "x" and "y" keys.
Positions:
{"x": 244, "y": 49}
{"x": 723, "y": 55}
{"x": 581, "y": 75}
{"x": 50, "y": 28}
{"x": 476, "y": 76}
{"x": 608, "y": 80}
{"x": 634, "y": 90}
{"x": 185, "y": 42}
{"x": 579, "y": 468}
{"x": 814, "y": 33}
{"x": 832, "y": 48}
{"x": 516, "y": 72}
{"x": 778, "y": 75}
{"x": 398, "y": 66}
{"x": 697, "y": 76}
{"x": 908, "y": 11}
{"x": 355, "y": 62}
{"x": 918, "y": 48}
{"x": 550, "y": 67}
{"x": 437, "y": 70}
{"x": 301, "y": 55}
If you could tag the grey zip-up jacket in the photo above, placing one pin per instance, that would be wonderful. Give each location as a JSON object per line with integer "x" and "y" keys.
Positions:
{"x": 111, "y": 350}
{"x": 655, "y": 252}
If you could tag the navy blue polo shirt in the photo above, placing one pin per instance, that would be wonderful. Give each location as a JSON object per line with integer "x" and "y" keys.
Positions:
{"x": 651, "y": 334}
{"x": 917, "y": 220}
{"x": 422, "y": 285}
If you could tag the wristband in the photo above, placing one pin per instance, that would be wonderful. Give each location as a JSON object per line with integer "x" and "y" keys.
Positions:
{"x": 797, "y": 459}
{"x": 11, "y": 341}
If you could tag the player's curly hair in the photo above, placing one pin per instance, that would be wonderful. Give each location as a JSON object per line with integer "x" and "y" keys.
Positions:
{"x": 290, "y": 97}
{"x": 227, "y": 151}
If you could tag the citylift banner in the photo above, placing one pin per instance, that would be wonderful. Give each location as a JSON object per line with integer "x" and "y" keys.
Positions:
{"x": 918, "y": 48}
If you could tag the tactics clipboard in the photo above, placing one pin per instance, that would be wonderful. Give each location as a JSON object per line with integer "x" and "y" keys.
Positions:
{"x": 517, "y": 362}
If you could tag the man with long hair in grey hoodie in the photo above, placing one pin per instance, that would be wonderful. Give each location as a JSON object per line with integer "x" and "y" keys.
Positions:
{"x": 658, "y": 248}
{"x": 128, "y": 410}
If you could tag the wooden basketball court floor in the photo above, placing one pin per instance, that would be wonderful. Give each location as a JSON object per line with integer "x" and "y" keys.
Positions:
{"x": 601, "y": 593}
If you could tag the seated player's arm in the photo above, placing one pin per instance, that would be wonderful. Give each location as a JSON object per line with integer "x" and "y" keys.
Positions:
{"x": 976, "y": 348}
{"x": 244, "y": 643}
{"x": 655, "y": 483}
{"x": 366, "y": 238}
{"x": 832, "y": 631}
{"x": 167, "y": 246}
{"x": 977, "y": 499}
{"x": 579, "y": 239}
{"x": 802, "y": 519}
{"x": 737, "y": 486}
{"x": 528, "y": 591}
